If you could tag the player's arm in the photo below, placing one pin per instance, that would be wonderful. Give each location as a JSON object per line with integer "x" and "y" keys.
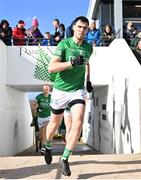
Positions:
{"x": 87, "y": 72}
{"x": 57, "y": 62}
{"x": 57, "y": 65}
{"x": 88, "y": 82}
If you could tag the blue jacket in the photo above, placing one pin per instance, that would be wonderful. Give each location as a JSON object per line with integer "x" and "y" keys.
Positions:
{"x": 93, "y": 36}
{"x": 47, "y": 42}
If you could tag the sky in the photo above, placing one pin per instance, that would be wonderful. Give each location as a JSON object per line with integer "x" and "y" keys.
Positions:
{"x": 44, "y": 10}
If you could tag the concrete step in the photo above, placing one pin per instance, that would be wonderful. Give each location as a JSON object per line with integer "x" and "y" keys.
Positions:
{"x": 58, "y": 146}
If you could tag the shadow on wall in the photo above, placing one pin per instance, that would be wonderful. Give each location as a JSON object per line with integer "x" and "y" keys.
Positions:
{"x": 16, "y": 134}
{"x": 122, "y": 139}
{"x": 125, "y": 123}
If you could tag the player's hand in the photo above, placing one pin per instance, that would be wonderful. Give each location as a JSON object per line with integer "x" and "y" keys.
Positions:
{"x": 89, "y": 86}
{"x": 77, "y": 61}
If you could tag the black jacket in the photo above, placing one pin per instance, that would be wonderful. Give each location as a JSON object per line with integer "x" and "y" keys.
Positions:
{"x": 7, "y": 33}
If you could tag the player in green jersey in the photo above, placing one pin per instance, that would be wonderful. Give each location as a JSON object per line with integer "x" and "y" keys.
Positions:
{"x": 41, "y": 105}
{"x": 70, "y": 61}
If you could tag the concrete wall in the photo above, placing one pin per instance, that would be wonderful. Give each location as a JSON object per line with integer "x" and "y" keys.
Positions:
{"x": 114, "y": 109}
{"x": 15, "y": 115}
{"x": 21, "y": 66}
{"x": 20, "y": 71}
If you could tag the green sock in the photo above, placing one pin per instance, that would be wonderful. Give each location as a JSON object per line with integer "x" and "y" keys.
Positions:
{"x": 66, "y": 154}
{"x": 48, "y": 144}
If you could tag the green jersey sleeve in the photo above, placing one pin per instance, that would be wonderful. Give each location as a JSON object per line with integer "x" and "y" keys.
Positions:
{"x": 60, "y": 49}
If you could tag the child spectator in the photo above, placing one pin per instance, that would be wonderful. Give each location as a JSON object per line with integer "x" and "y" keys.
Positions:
{"x": 107, "y": 35}
{"x": 47, "y": 41}
{"x": 5, "y": 32}
{"x": 34, "y": 34}
{"x": 19, "y": 34}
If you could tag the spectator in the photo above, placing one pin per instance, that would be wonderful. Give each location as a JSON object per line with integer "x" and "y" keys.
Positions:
{"x": 93, "y": 34}
{"x": 107, "y": 36}
{"x": 135, "y": 40}
{"x": 69, "y": 30}
{"x": 124, "y": 32}
{"x": 34, "y": 34}
{"x": 47, "y": 41}
{"x": 130, "y": 32}
{"x": 19, "y": 34}
{"x": 5, "y": 32}
{"x": 62, "y": 31}
{"x": 137, "y": 51}
{"x": 59, "y": 33}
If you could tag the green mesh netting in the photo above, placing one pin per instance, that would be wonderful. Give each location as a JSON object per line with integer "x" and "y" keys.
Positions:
{"x": 41, "y": 68}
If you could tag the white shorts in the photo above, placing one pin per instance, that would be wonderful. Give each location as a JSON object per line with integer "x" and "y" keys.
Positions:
{"x": 60, "y": 100}
{"x": 43, "y": 121}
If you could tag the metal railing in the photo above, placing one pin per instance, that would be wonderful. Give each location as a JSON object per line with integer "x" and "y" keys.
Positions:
{"x": 23, "y": 41}
{"x": 38, "y": 41}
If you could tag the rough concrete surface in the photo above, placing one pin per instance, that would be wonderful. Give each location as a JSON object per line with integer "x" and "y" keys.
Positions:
{"x": 90, "y": 165}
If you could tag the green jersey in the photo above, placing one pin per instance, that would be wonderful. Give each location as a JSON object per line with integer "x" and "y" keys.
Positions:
{"x": 71, "y": 79}
{"x": 43, "y": 105}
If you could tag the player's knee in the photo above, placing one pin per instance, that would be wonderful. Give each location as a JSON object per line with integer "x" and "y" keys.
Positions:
{"x": 77, "y": 126}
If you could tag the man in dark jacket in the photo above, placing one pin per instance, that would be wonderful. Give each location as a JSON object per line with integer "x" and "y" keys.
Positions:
{"x": 69, "y": 30}
{"x": 5, "y": 32}
{"x": 59, "y": 33}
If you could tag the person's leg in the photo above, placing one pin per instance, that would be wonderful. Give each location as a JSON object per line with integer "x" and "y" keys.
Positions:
{"x": 44, "y": 138}
{"x": 46, "y": 122}
{"x": 53, "y": 125}
{"x": 37, "y": 135}
{"x": 68, "y": 122}
{"x": 41, "y": 134}
{"x": 77, "y": 111}
{"x": 41, "y": 126}
{"x": 44, "y": 134}
{"x": 43, "y": 123}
